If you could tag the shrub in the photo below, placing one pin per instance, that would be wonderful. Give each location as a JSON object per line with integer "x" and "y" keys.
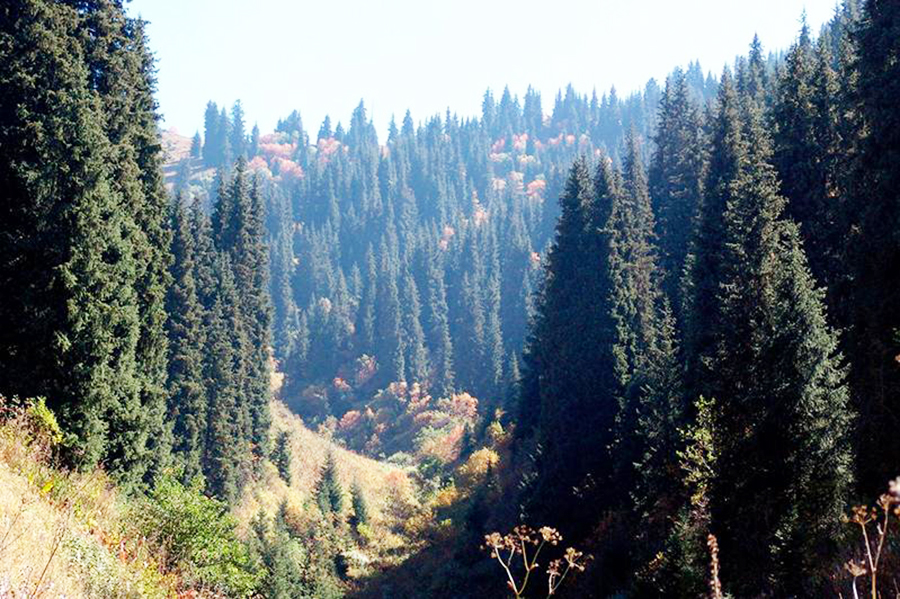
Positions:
{"x": 196, "y": 537}
{"x": 43, "y": 422}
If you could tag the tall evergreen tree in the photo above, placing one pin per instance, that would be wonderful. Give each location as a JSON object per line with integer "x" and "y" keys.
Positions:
{"x": 211, "y": 136}
{"x": 329, "y": 494}
{"x": 438, "y": 332}
{"x": 782, "y": 414}
{"x": 875, "y": 251}
{"x": 566, "y": 386}
{"x": 238, "y": 141}
{"x": 676, "y": 179}
{"x": 414, "y": 337}
{"x": 186, "y": 385}
{"x": 71, "y": 321}
{"x": 647, "y": 386}
{"x": 227, "y": 430}
{"x": 704, "y": 261}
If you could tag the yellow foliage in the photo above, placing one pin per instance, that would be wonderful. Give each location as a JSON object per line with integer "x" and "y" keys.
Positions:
{"x": 446, "y": 497}
{"x": 472, "y": 473}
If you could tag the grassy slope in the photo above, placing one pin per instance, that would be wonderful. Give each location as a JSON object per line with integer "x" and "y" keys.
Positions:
{"x": 388, "y": 490}
{"x": 76, "y": 525}
{"x": 380, "y": 483}
{"x": 67, "y": 534}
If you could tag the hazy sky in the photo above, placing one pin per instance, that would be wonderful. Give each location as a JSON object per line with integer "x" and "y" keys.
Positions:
{"x": 323, "y": 56}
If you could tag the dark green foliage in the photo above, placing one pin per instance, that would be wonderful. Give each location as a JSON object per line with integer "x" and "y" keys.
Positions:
{"x": 281, "y": 456}
{"x": 84, "y": 231}
{"x": 329, "y": 494}
{"x": 767, "y": 221}
{"x": 227, "y": 412}
{"x": 645, "y": 363}
{"x": 875, "y": 251}
{"x": 775, "y": 369}
{"x": 805, "y": 141}
{"x": 360, "y": 509}
{"x": 197, "y": 536}
{"x": 704, "y": 261}
{"x": 416, "y": 360}
{"x": 281, "y": 558}
{"x": 676, "y": 179}
{"x": 238, "y": 230}
{"x": 389, "y": 342}
{"x": 187, "y": 338}
{"x": 567, "y": 383}
{"x": 438, "y": 331}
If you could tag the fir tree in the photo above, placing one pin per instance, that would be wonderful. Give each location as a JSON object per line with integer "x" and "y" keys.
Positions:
{"x": 645, "y": 366}
{"x": 196, "y": 146}
{"x": 226, "y": 420}
{"x": 439, "y": 332}
{"x": 566, "y": 385}
{"x": 676, "y": 179}
{"x": 186, "y": 385}
{"x": 360, "y": 508}
{"x": 783, "y": 397}
{"x": 238, "y": 133}
{"x": 71, "y": 320}
{"x": 329, "y": 494}
{"x": 281, "y": 455}
{"x": 416, "y": 359}
{"x": 875, "y": 253}
{"x": 212, "y": 136}
{"x": 389, "y": 343}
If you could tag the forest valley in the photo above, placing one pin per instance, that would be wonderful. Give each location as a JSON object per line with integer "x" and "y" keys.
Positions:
{"x": 642, "y": 346}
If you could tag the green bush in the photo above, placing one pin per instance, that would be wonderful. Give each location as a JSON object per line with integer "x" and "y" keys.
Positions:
{"x": 43, "y": 422}
{"x": 196, "y": 536}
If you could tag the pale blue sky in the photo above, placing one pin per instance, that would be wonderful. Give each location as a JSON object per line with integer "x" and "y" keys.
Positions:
{"x": 322, "y": 57}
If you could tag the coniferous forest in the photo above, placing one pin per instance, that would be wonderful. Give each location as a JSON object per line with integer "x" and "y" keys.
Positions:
{"x": 598, "y": 345}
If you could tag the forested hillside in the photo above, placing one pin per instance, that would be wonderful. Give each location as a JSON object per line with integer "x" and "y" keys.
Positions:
{"x": 659, "y": 330}
{"x": 415, "y": 260}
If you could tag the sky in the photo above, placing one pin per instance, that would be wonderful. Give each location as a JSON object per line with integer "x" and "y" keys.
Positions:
{"x": 324, "y": 56}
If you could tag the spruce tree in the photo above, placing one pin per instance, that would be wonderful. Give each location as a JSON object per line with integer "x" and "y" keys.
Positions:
{"x": 238, "y": 133}
{"x": 439, "y": 332}
{"x": 329, "y": 494}
{"x": 227, "y": 416}
{"x": 239, "y": 232}
{"x": 196, "y": 146}
{"x": 360, "y": 508}
{"x": 281, "y": 455}
{"x": 803, "y": 139}
{"x": 416, "y": 358}
{"x": 704, "y": 260}
{"x": 782, "y": 405}
{"x": 389, "y": 342}
{"x": 70, "y": 320}
{"x": 676, "y": 179}
{"x": 566, "y": 386}
{"x": 186, "y": 385}
{"x": 875, "y": 252}
{"x": 211, "y": 136}
{"x": 647, "y": 384}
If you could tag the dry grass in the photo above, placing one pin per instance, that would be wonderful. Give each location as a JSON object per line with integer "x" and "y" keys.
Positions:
{"x": 64, "y": 534}
{"x": 30, "y": 527}
{"x": 388, "y": 490}
{"x": 177, "y": 147}
{"x": 382, "y": 484}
